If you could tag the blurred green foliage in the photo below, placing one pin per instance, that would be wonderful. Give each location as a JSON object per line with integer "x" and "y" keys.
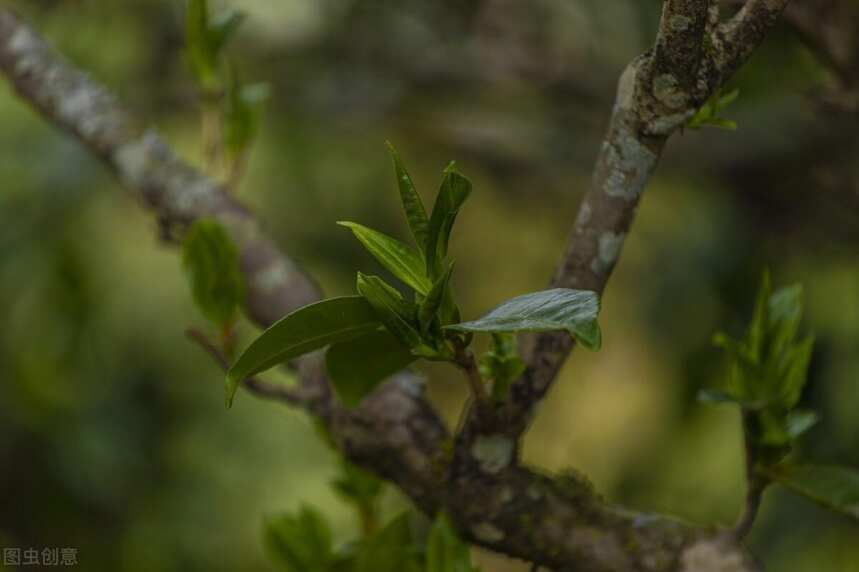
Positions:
{"x": 113, "y": 438}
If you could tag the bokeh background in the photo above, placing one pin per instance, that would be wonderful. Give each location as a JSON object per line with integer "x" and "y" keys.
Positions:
{"x": 113, "y": 435}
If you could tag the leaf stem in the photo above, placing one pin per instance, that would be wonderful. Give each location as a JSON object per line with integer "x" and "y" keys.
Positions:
{"x": 756, "y": 484}
{"x": 464, "y": 358}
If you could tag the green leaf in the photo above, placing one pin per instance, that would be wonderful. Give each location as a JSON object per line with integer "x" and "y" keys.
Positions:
{"x": 223, "y": 27}
{"x": 304, "y": 330}
{"x": 299, "y": 543}
{"x": 836, "y": 488}
{"x": 241, "y": 114}
{"x": 413, "y": 206}
{"x": 211, "y": 262}
{"x": 559, "y": 309}
{"x": 445, "y": 551}
{"x": 202, "y": 56}
{"x": 392, "y": 549}
{"x": 501, "y": 364}
{"x": 798, "y": 422}
{"x": 402, "y": 260}
{"x": 391, "y": 309}
{"x": 709, "y": 115}
{"x": 454, "y": 191}
{"x": 357, "y": 486}
{"x": 432, "y": 303}
{"x": 357, "y": 366}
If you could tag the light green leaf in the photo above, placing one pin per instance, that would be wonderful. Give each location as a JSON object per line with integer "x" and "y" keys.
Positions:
{"x": 211, "y": 262}
{"x": 501, "y": 364}
{"x": 836, "y": 488}
{"x": 454, "y": 191}
{"x": 392, "y": 549}
{"x": 357, "y": 366}
{"x": 710, "y": 114}
{"x": 402, "y": 260}
{"x": 432, "y": 303}
{"x": 299, "y": 543}
{"x": 413, "y": 206}
{"x": 559, "y": 309}
{"x": 304, "y": 330}
{"x": 445, "y": 551}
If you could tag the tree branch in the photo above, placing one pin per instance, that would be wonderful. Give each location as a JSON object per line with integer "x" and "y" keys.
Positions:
{"x": 656, "y": 96}
{"x": 559, "y": 523}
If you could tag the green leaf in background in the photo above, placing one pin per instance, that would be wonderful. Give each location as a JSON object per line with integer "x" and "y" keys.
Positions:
{"x": 200, "y": 57}
{"x": 241, "y": 114}
{"x": 836, "y": 488}
{"x": 413, "y": 206}
{"x": 211, "y": 262}
{"x": 768, "y": 368}
{"x": 357, "y": 486}
{"x": 445, "y": 551}
{"x": 433, "y": 302}
{"x": 391, "y": 309}
{"x": 558, "y": 309}
{"x": 709, "y": 115}
{"x": 400, "y": 259}
{"x": 454, "y": 191}
{"x": 223, "y": 27}
{"x": 304, "y": 330}
{"x": 501, "y": 364}
{"x": 205, "y": 38}
{"x": 299, "y": 543}
{"x": 392, "y": 549}
{"x": 357, "y": 366}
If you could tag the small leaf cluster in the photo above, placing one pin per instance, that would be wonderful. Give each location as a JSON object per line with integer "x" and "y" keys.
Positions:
{"x": 710, "y": 114}
{"x": 303, "y": 542}
{"x": 206, "y": 39}
{"x": 767, "y": 371}
{"x": 211, "y": 262}
{"x": 381, "y": 331}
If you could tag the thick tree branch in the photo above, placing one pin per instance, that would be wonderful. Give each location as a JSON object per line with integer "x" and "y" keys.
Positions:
{"x": 561, "y": 523}
{"x": 656, "y": 96}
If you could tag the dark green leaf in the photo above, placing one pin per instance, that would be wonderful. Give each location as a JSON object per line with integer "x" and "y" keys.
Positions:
{"x": 392, "y": 549}
{"x": 299, "y": 543}
{"x": 559, "y": 309}
{"x": 836, "y": 488}
{"x": 357, "y": 366}
{"x": 445, "y": 551}
{"x": 304, "y": 330}
{"x": 391, "y": 309}
{"x": 413, "y": 206}
{"x": 432, "y": 303}
{"x": 212, "y": 264}
{"x": 454, "y": 191}
{"x": 402, "y": 260}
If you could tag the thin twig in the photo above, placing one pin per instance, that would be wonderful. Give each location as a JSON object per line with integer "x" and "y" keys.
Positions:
{"x": 255, "y": 385}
